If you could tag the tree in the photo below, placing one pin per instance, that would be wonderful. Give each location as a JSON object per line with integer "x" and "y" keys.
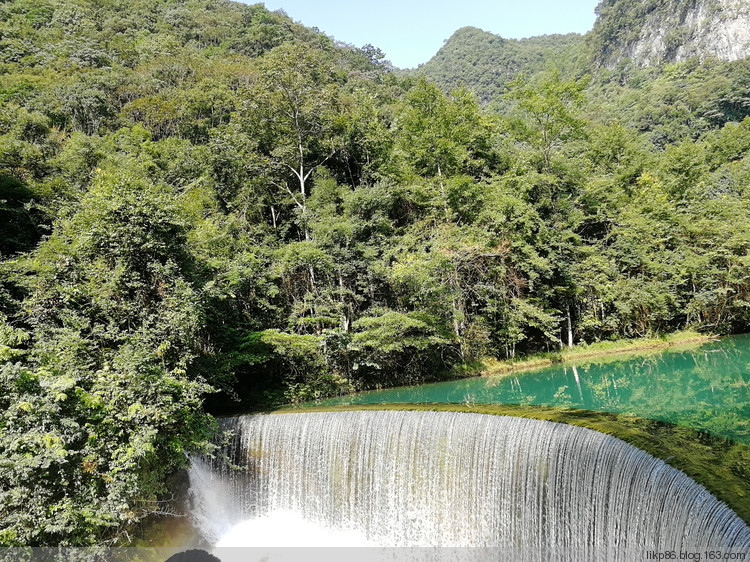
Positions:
{"x": 410, "y": 347}
{"x": 551, "y": 111}
{"x": 441, "y": 135}
{"x": 294, "y": 108}
{"x": 100, "y": 406}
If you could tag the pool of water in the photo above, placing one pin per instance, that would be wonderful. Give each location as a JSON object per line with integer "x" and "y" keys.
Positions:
{"x": 706, "y": 387}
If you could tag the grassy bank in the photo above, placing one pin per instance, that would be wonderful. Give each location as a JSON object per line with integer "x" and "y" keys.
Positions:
{"x": 490, "y": 366}
{"x": 720, "y": 465}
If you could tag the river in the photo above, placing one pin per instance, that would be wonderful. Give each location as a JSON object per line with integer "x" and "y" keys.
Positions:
{"x": 705, "y": 387}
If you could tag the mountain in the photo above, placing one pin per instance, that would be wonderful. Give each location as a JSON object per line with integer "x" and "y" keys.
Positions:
{"x": 485, "y": 61}
{"x": 631, "y": 34}
{"x": 206, "y": 207}
{"x": 653, "y": 32}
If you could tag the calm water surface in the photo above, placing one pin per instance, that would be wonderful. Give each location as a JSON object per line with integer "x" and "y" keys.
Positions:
{"x": 706, "y": 387}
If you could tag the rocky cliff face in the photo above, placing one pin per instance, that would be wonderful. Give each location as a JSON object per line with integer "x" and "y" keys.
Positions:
{"x": 650, "y": 32}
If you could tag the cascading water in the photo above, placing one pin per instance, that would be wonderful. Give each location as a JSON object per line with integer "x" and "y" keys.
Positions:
{"x": 453, "y": 479}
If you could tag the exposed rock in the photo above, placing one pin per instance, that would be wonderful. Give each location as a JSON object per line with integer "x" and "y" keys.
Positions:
{"x": 651, "y": 32}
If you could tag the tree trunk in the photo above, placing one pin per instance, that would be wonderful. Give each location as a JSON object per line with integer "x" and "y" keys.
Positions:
{"x": 346, "y": 308}
{"x": 302, "y": 181}
{"x": 442, "y": 192}
{"x": 570, "y": 329}
{"x": 457, "y": 327}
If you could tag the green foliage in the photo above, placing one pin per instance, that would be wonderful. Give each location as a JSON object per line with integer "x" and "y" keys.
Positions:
{"x": 413, "y": 345}
{"x": 550, "y": 110}
{"x": 99, "y": 406}
{"x": 303, "y": 357}
{"x": 680, "y": 100}
{"x": 484, "y": 63}
{"x": 205, "y": 207}
{"x": 442, "y": 135}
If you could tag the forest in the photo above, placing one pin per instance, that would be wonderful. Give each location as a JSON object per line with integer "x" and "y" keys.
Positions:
{"x": 205, "y": 207}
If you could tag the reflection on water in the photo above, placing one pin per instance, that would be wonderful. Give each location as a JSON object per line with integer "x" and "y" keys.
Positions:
{"x": 705, "y": 387}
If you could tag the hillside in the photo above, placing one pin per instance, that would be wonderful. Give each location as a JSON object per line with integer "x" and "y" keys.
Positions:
{"x": 684, "y": 82}
{"x": 205, "y": 207}
{"x": 628, "y": 38}
{"x": 485, "y": 61}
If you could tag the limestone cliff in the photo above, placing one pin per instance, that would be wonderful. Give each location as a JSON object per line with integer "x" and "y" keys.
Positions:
{"x": 650, "y": 32}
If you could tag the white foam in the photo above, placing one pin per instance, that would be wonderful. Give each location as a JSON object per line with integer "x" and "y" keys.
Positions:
{"x": 442, "y": 479}
{"x": 284, "y": 528}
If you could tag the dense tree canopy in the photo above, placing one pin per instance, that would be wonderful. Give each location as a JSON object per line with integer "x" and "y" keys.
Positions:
{"x": 486, "y": 62}
{"x": 206, "y": 207}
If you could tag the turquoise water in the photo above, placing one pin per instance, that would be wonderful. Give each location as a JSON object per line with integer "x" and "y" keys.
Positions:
{"x": 706, "y": 387}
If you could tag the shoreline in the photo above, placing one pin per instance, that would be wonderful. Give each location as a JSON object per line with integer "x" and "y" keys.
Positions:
{"x": 493, "y": 367}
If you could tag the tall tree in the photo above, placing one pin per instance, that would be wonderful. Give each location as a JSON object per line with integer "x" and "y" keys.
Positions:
{"x": 100, "y": 407}
{"x": 551, "y": 110}
{"x": 442, "y": 135}
{"x": 295, "y": 110}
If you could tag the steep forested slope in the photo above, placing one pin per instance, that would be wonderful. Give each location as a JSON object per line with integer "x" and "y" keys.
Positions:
{"x": 666, "y": 67}
{"x": 485, "y": 62}
{"x": 202, "y": 202}
{"x": 673, "y": 101}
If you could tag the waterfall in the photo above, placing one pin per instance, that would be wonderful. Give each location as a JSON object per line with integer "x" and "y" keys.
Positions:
{"x": 396, "y": 478}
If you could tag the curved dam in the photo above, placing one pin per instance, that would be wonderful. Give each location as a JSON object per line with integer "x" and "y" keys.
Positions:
{"x": 542, "y": 490}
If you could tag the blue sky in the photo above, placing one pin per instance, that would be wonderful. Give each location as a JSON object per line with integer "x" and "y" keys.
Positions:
{"x": 411, "y": 32}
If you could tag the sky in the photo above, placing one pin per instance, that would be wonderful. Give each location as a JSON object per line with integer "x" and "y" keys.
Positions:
{"x": 410, "y": 33}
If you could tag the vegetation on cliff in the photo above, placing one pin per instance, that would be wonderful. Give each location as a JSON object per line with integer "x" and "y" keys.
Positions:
{"x": 204, "y": 201}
